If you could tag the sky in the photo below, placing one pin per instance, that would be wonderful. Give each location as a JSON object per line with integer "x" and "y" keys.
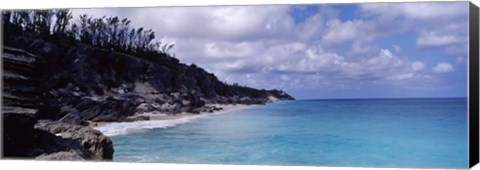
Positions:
{"x": 320, "y": 51}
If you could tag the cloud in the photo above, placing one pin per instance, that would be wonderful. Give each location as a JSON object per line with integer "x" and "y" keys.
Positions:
{"x": 225, "y": 23}
{"x": 433, "y": 39}
{"x": 334, "y": 67}
{"x": 440, "y": 24}
{"x": 443, "y": 68}
{"x": 265, "y": 47}
{"x": 418, "y": 66}
{"x": 416, "y": 11}
{"x": 339, "y": 32}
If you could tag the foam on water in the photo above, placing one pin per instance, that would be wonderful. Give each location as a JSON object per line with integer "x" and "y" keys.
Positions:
{"x": 123, "y": 128}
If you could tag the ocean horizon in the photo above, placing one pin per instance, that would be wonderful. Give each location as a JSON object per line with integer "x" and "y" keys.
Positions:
{"x": 386, "y": 132}
{"x": 380, "y": 98}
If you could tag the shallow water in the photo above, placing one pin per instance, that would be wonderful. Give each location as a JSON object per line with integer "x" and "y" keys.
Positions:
{"x": 411, "y": 133}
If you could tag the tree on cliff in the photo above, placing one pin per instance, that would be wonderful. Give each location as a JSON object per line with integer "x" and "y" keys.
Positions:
{"x": 37, "y": 21}
{"x": 62, "y": 19}
{"x": 111, "y": 33}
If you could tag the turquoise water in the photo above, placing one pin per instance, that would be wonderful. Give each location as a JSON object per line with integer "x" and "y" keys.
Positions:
{"x": 410, "y": 133}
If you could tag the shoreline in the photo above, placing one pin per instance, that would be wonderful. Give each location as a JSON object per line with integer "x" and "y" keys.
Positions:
{"x": 157, "y": 116}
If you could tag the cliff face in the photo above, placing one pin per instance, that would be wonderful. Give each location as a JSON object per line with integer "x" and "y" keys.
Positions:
{"x": 24, "y": 98}
{"x": 71, "y": 84}
{"x": 102, "y": 85}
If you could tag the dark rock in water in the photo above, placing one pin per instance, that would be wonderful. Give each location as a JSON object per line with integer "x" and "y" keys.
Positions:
{"x": 99, "y": 145}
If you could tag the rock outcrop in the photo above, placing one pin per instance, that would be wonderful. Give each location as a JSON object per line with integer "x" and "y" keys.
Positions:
{"x": 21, "y": 100}
{"x": 25, "y": 101}
{"x": 98, "y": 146}
{"x": 97, "y": 84}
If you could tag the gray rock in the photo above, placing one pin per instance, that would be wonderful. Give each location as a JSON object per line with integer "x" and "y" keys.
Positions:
{"x": 63, "y": 155}
{"x": 144, "y": 107}
{"x": 99, "y": 145}
{"x": 171, "y": 107}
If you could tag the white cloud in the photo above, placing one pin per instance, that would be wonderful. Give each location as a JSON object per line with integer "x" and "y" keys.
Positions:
{"x": 285, "y": 78}
{"x": 225, "y": 23}
{"x": 340, "y": 32}
{"x": 229, "y": 50}
{"x": 416, "y": 10}
{"x": 429, "y": 11}
{"x": 433, "y": 39}
{"x": 438, "y": 24}
{"x": 403, "y": 76}
{"x": 443, "y": 68}
{"x": 335, "y": 67}
{"x": 357, "y": 31}
{"x": 418, "y": 66}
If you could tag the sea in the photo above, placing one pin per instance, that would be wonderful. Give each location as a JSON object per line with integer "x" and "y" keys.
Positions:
{"x": 400, "y": 133}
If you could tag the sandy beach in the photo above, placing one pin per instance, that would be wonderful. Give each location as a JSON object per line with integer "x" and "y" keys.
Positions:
{"x": 155, "y": 115}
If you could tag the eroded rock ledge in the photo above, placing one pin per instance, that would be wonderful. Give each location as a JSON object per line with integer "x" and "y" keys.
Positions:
{"x": 83, "y": 141}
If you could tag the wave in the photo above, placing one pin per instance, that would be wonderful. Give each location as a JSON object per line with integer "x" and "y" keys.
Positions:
{"x": 123, "y": 128}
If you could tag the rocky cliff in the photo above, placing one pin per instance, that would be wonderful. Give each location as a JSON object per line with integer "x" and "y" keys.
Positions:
{"x": 102, "y": 85}
{"x": 24, "y": 97}
{"x": 70, "y": 84}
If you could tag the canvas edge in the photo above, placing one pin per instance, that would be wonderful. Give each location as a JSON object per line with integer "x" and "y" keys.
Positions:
{"x": 473, "y": 83}
{"x": 473, "y": 93}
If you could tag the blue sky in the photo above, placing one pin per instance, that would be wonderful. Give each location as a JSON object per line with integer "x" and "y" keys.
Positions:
{"x": 370, "y": 50}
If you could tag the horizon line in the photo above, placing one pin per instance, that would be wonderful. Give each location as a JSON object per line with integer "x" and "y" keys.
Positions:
{"x": 373, "y": 98}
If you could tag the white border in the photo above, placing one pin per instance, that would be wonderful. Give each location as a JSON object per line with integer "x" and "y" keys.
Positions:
{"x": 52, "y": 165}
